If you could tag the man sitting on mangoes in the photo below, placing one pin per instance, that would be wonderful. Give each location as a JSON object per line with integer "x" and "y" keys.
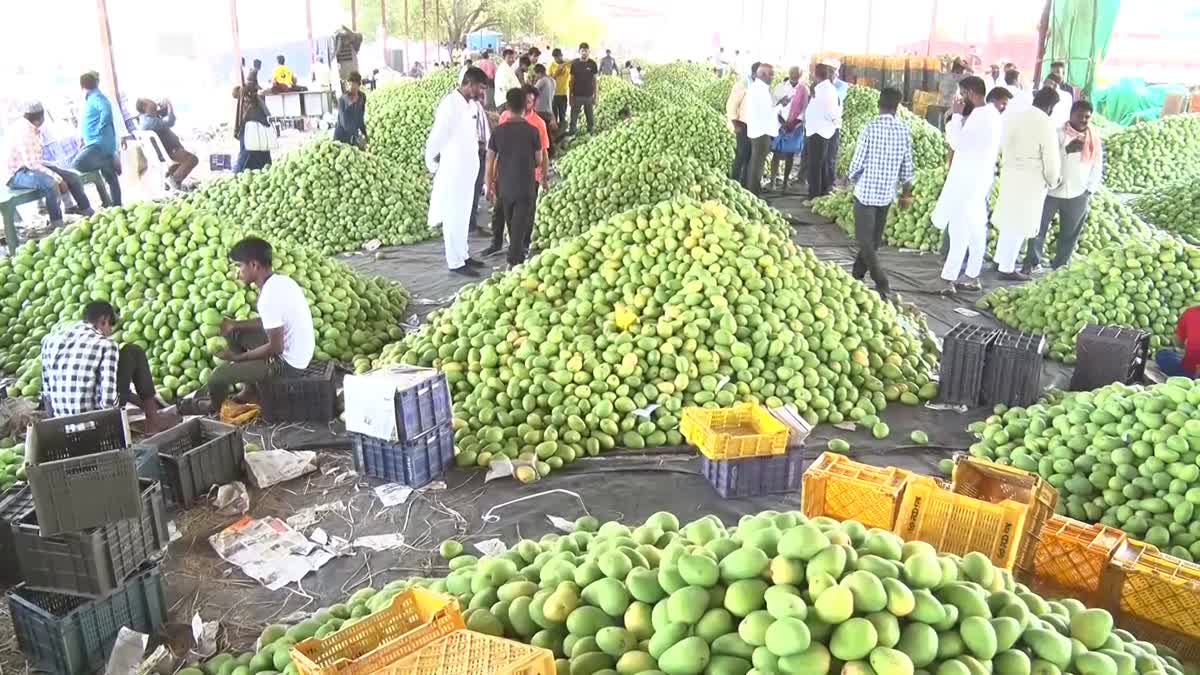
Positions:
{"x": 83, "y": 369}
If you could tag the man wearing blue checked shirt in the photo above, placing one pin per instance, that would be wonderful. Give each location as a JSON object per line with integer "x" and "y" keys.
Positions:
{"x": 882, "y": 161}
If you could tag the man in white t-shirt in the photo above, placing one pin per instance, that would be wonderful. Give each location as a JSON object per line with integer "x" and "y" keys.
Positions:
{"x": 280, "y": 341}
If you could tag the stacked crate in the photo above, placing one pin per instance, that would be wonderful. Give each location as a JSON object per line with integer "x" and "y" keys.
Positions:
{"x": 744, "y": 450}
{"x": 989, "y": 366}
{"x": 401, "y": 423}
{"x": 192, "y": 457}
{"x": 1107, "y": 354}
{"x": 85, "y": 534}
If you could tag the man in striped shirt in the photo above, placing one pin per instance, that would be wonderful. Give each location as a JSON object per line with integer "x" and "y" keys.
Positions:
{"x": 882, "y": 161}
{"x": 25, "y": 169}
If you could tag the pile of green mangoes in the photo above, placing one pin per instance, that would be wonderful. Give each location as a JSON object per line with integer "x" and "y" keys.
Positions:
{"x": 684, "y": 130}
{"x": 1149, "y": 154}
{"x": 1122, "y": 456}
{"x": 587, "y": 199}
{"x": 166, "y": 270}
{"x": 12, "y": 463}
{"x": 862, "y": 105}
{"x": 1174, "y": 207}
{"x": 778, "y": 593}
{"x": 682, "y": 76}
{"x": 327, "y": 195}
{"x": 716, "y": 94}
{"x": 400, "y": 117}
{"x": 1141, "y": 283}
{"x": 600, "y": 341}
{"x": 621, "y": 99}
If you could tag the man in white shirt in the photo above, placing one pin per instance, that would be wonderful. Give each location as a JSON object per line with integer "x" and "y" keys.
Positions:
{"x": 993, "y": 77}
{"x": 762, "y": 124}
{"x": 822, "y": 128}
{"x": 1022, "y": 98}
{"x": 1082, "y": 158}
{"x": 1062, "y": 111}
{"x": 506, "y": 75}
{"x": 962, "y": 205}
{"x": 279, "y": 342}
{"x": 452, "y": 156}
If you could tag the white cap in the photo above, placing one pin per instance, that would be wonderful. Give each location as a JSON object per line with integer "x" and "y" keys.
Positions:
{"x": 33, "y": 107}
{"x": 836, "y": 64}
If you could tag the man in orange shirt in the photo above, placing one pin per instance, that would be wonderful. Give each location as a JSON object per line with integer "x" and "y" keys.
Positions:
{"x": 541, "y": 173}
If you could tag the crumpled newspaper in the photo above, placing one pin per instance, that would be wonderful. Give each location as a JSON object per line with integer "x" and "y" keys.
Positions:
{"x": 271, "y": 467}
{"x": 233, "y": 499}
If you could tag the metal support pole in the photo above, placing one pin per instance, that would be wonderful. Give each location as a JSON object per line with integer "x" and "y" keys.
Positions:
{"x": 824, "y": 19}
{"x": 312, "y": 45}
{"x": 109, "y": 81}
{"x": 932, "y": 27}
{"x": 354, "y": 15}
{"x": 237, "y": 43}
{"x": 424, "y": 33}
{"x": 383, "y": 24}
{"x": 870, "y": 17}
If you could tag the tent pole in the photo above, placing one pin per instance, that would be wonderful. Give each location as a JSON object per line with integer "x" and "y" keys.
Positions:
{"x": 109, "y": 64}
{"x": 237, "y": 42}
{"x": 932, "y": 28}
{"x": 383, "y": 24}
{"x": 312, "y": 48}
{"x": 354, "y": 15}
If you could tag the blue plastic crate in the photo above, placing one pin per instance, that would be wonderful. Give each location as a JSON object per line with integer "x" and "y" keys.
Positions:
{"x": 414, "y": 464}
{"x": 423, "y": 406}
{"x": 755, "y": 476}
{"x": 72, "y": 635}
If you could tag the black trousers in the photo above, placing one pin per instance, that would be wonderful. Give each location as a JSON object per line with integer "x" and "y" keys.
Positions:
{"x": 741, "y": 154}
{"x": 518, "y": 216}
{"x": 822, "y": 159}
{"x": 478, "y": 186}
{"x": 560, "y": 110}
{"x": 868, "y": 233}
{"x": 133, "y": 374}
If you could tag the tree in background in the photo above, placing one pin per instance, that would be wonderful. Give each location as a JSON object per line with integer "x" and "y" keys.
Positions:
{"x": 448, "y": 22}
{"x": 566, "y": 23}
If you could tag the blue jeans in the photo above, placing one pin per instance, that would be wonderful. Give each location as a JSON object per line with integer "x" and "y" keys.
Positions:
{"x": 25, "y": 179}
{"x": 1171, "y": 363}
{"x": 93, "y": 158}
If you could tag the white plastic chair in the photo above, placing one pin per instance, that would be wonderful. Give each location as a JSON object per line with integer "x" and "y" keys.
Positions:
{"x": 157, "y": 161}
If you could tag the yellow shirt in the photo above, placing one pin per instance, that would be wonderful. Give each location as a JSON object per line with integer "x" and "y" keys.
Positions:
{"x": 284, "y": 75}
{"x": 561, "y": 72}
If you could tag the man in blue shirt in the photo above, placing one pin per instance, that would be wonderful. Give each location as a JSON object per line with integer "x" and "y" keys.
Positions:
{"x": 99, "y": 151}
{"x": 882, "y": 162}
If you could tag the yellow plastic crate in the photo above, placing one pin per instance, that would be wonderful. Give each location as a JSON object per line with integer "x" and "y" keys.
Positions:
{"x": 991, "y": 482}
{"x": 837, "y": 487}
{"x": 1158, "y": 588}
{"x": 415, "y": 618}
{"x": 1072, "y": 559}
{"x": 955, "y": 523}
{"x": 745, "y": 430}
{"x": 466, "y": 652}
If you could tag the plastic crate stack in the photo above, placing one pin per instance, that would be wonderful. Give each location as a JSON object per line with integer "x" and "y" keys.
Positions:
{"x": 743, "y": 450}
{"x": 1013, "y": 372}
{"x": 401, "y": 424}
{"x": 307, "y": 396}
{"x": 964, "y": 354}
{"x": 1107, "y": 354}
{"x": 192, "y": 457}
{"x": 86, "y": 535}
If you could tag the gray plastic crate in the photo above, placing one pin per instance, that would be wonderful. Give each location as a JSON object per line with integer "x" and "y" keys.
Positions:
{"x": 307, "y": 396}
{"x": 1013, "y": 374}
{"x": 93, "y": 562}
{"x": 413, "y": 464}
{"x": 193, "y": 457}
{"x": 1107, "y": 354}
{"x": 964, "y": 353}
{"x": 71, "y": 635}
{"x": 14, "y": 505}
{"x": 81, "y": 471}
{"x": 755, "y": 476}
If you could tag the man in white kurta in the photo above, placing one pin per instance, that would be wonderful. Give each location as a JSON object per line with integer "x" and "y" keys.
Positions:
{"x": 1030, "y": 167}
{"x": 962, "y": 206}
{"x": 452, "y": 155}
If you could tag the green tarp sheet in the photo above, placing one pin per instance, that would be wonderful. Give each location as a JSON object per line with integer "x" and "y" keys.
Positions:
{"x": 1078, "y": 34}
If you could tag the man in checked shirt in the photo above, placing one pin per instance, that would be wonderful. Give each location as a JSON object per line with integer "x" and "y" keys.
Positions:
{"x": 84, "y": 370}
{"x": 882, "y": 161}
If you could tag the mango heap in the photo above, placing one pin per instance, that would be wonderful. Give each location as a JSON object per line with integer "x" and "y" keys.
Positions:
{"x": 716, "y": 94}
{"x": 327, "y": 195}
{"x": 400, "y": 117}
{"x": 862, "y": 105}
{"x": 779, "y": 594}
{"x": 684, "y": 130}
{"x": 12, "y": 463}
{"x": 686, "y": 77}
{"x": 589, "y": 198}
{"x": 1150, "y": 154}
{"x": 1141, "y": 283}
{"x": 622, "y": 99}
{"x": 600, "y": 341}
{"x": 1174, "y": 207}
{"x": 1122, "y": 456}
{"x": 166, "y": 270}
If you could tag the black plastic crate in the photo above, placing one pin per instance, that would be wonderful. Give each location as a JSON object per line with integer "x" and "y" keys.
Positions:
{"x": 1107, "y": 354}
{"x": 423, "y": 405}
{"x": 964, "y": 354}
{"x": 414, "y": 464}
{"x": 193, "y": 457}
{"x": 307, "y": 396}
{"x": 1013, "y": 374}
{"x": 15, "y": 503}
{"x": 71, "y": 635}
{"x": 82, "y": 472}
{"x": 755, "y": 476}
{"x": 93, "y": 562}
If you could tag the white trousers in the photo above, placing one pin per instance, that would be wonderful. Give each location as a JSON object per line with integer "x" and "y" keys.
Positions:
{"x": 968, "y": 241}
{"x": 1008, "y": 248}
{"x": 454, "y": 234}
